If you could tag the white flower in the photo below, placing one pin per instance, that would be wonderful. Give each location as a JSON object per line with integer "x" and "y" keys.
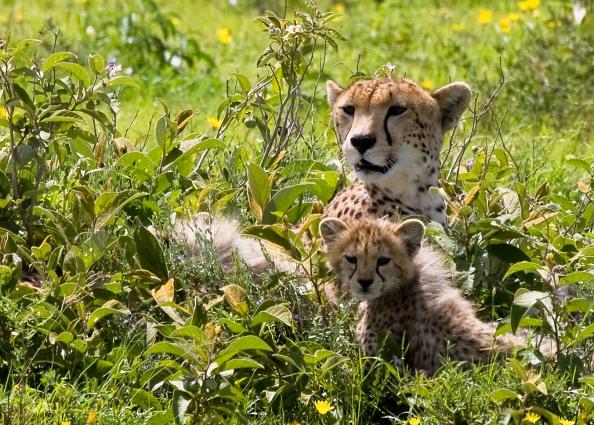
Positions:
{"x": 292, "y": 29}
{"x": 233, "y": 2}
{"x": 175, "y": 61}
{"x": 90, "y": 31}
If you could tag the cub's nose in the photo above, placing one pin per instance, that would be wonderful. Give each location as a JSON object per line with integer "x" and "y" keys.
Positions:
{"x": 363, "y": 142}
{"x": 365, "y": 283}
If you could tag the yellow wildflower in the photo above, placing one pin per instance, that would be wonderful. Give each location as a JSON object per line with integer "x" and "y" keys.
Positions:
{"x": 566, "y": 422}
{"x": 532, "y": 417}
{"x": 444, "y": 10}
{"x": 427, "y": 84}
{"x": 339, "y": 8}
{"x": 214, "y": 122}
{"x": 293, "y": 422}
{"x": 224, "y": 35}
{"x": 323, "y": 407}
{"x": 513, "y": 16}
{"x": 92, "y": 418}
{"x": 68, "y": 423}
{"x": 176, "y": 21}
{"x": 505, "y": 24}
{"x": 528, "y": 5}
{"x": 485, "y": 16}
{"x": 458, "y": 27}
{"x": 414, "y": 421}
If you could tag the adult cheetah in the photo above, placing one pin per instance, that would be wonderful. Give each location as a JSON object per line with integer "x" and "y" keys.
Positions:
{"x": 391, "y": 132}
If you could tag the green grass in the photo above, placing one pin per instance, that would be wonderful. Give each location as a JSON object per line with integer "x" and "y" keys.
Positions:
{"x": 540, "y": 120}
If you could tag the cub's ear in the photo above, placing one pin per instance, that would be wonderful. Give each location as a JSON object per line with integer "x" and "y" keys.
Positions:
{"x": 330, "y": 228}
{"x": 412, "y": 232}
{"x": 333, "y": 90}
{"x": 453, "y": 100}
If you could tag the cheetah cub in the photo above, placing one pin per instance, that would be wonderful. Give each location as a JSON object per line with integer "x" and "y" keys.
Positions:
{"x": 407, "y": 292}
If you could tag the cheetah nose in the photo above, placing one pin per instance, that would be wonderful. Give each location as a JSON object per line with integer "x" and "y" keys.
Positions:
{"x": 363, "y": 142}
{"x": 365, "y": 283}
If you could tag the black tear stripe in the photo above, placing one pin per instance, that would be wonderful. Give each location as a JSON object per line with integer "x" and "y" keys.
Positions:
{"x": 353, "y": 274}
{"x": 379, "y": 274}
{"x": 388, "y": 136}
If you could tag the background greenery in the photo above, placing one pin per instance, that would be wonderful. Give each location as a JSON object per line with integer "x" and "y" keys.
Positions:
{"x": 215, "y": 97}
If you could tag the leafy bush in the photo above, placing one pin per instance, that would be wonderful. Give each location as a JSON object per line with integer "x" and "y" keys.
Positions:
{"x": 97, "y": 313}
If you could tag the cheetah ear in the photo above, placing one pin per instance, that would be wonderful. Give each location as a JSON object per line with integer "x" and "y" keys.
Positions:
{"x": 412, "y": 232}
{"x": 333, "y": 90}
{"x": 453, "y": 100}
{"x": 330, "y": 228}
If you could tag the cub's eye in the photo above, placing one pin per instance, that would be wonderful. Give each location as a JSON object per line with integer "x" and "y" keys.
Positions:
{"x": 349, "y": 110}
{"x": 382, "y": 261}
{"x": 396, "y": 110}
{"x": 351, "y": 259}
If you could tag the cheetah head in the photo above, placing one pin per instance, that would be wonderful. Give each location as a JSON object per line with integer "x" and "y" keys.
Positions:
{"x": 372, "y": 257}
{"x": 385, "y": 124}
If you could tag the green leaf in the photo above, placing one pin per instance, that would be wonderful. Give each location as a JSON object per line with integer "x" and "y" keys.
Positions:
{"x": 161, "y": 418}
{"x": 56, "y": 58}
{"x": 22, "y": 94}
{"x": 318, "y": 356}
{"x": 275, "y": 313}
{"x": 109, "y": 204}
{"x": 150, "y": 254}
{"x": 271, "y": 233}
{"x": 585, "y": 333}
{"x": 164, "y": 347}
{"x": 122, "y": 80}
{"x": 529, "y": 298}
{"x": 142, "y": 167}
{"x": 503, "y": 394}
{"x": 65, "y": 337}
{"x": 582, "y": 305}
{"x": 283, "y": 199}
{"x": 180, "y": 406}
{"x": 236, "y": 297}
{"x": 241, "y": 363}
{"x": 162, "y": 134}
{"x": 258, "y": 189}
{"x": 5, "y": 188}
{"x": 106, "y": 310}
{"x": 243, "y": 82}
{"x": 249, "y": 342}
{"x": 575, "y": 277}
{"x": 76, "y": 70}
{"x": 97, "y": 63}
{"x": 144, "y": 399}
{"x": 522, "y": 266}
{"x": 507, "y": 252}
{"x": 188, "y": 331}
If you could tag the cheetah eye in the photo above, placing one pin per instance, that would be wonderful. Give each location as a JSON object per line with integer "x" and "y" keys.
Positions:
{"x": 396, "y": 110}
{"x": 351, "y": 259}
{"x": 382, "y": 261}
{"x": 349, "y": 110}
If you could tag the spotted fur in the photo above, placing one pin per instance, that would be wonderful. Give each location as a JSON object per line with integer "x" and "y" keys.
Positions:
{"x": 391, "y": 132}
{"x": 407, "y": 292}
